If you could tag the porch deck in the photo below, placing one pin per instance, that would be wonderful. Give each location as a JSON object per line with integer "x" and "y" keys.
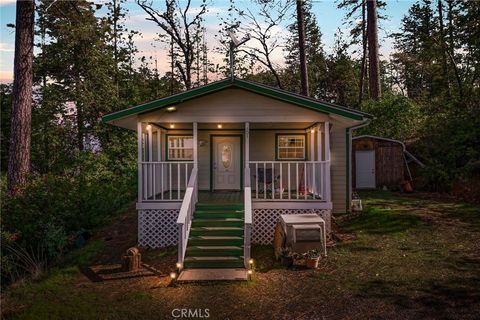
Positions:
{"x": 220, "y": 197}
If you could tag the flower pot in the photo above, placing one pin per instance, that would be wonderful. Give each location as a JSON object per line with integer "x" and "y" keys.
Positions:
{"x": 312, "y": 263}
{"x": 286, "y": 261}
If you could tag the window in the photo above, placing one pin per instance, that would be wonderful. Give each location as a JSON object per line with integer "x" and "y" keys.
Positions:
{"x": 291, "y": 147}
{"x": 180, "y": 148}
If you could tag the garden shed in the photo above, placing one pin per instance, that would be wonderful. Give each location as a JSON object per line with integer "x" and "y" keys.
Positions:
{"x": 379, "y": 162}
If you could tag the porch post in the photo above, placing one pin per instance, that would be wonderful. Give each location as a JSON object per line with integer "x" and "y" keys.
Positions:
{"x": 139, "y": 160}
{"x": 247, "y": 144}
{"x": 195, "y": 145}
{"x": 159, "y": 144}
{"x": 150, "y": 143}
{"x": 328, "y": 196}
{"x": 311, "y": 175}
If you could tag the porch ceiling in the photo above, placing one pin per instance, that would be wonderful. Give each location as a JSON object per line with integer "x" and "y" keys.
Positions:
{"x": 237, "y": 126}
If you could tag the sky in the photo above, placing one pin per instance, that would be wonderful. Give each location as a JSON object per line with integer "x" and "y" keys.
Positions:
{"x": 329, "y": 18}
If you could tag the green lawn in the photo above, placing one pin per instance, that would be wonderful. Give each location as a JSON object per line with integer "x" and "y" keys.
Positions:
{"x": 414, "y": 256}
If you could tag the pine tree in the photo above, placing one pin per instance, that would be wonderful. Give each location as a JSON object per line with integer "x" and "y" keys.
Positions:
{"x": 20, "y": 135}
{"x": 315, "y": 55}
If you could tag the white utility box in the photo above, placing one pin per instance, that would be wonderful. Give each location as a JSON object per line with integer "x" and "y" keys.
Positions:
{"x": 304, "y": 232}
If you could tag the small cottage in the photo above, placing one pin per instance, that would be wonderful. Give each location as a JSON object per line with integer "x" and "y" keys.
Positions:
{"x": 218, "y": 164}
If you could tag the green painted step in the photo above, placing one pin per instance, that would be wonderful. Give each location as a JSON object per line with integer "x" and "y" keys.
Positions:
{"x": 216, "y": 231}
{"x": 214, "y": 251}
{"x": 217, "y": 215}
{"x": 214, "y": 262}
{"x": 227, "y": 222}
{"x": 215, "y": 241}
{"x": 216, "y": 207}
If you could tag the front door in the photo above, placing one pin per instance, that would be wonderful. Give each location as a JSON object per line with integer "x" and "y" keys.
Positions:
{"x": 226, "y": 162}
{"x": 365, "y": 169}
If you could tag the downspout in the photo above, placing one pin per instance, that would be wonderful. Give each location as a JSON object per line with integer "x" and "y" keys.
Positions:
{"x": 349, "y": 160}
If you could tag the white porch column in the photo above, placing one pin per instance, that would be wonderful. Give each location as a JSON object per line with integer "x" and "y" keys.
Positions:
{"x": 319, "y": 142}
{"x": 312, "y": 183}
{"x": 139, "y": 159}
{"x": 159, "y": 144}
{"x": 247, "y": 144}
{"x": 328, "y": 186}
{"x": 150, "y": 143}
{"x": 195, "y": 145}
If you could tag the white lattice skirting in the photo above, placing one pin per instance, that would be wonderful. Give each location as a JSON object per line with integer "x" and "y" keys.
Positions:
{"x": 157, "y": 228}
{"x": 264, "y": 221}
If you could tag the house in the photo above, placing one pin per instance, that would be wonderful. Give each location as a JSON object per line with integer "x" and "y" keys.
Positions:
{"x": 381, "y": 162}
{"x": 218, "y": 164}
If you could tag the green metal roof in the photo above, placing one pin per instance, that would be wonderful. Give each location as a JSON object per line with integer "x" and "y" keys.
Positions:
{"x": 261, "y": 89}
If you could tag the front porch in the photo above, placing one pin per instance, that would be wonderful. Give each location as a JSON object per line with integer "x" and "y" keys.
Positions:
{"x": 251, "y": 172}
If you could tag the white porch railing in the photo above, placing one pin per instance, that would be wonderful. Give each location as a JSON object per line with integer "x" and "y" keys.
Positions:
{"x": 248, "y": 217}
{"x": 163, "y": 180}
{"x": 290, "y": 180}
{"x": 184, "y": 220}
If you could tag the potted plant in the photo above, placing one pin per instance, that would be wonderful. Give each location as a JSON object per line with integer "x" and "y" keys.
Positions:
{"x": 311, "y": 258}
{"x": 286, "y": 257}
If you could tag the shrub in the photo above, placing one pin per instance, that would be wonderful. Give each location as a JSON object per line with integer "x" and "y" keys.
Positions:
{"x": 51, "y": 210}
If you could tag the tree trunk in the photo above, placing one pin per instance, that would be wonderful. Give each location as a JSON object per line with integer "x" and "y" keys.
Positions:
{"x": 373, "y": 56}
{"x": 301, "y": 48}
{"x": 20, "y": 134}
{"x": 446, "y": 80}
{"x": 363, "y": 67}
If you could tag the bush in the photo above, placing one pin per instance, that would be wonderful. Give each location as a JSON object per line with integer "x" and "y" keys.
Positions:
{"x": 51, "y": 210}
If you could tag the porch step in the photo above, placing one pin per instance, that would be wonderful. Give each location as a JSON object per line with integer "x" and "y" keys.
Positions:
{"x": 214, "y": 251}
{"x": 215, "y": 241}
{"x": 215, "y": 274}
{"x": 217, "y": 231}
{"x": 214, "y": 262}
{"x": 219, "y": 222}
{"x": 215, "y": 214}
{"x": 216, "y": 238}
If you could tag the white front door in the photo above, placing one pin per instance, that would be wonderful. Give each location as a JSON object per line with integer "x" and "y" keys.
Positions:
{"x": 226, "y": 162}
{"x": 365, "y": 168}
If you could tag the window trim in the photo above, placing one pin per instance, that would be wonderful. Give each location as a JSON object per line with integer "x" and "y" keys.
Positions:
{"x": 305, "y": 147}
{"x": 167, "y": 148}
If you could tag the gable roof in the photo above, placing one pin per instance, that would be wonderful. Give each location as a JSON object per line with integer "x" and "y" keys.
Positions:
{"x": 261, "y": 89}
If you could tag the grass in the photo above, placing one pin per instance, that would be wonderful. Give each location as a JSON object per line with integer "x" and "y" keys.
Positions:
{"x": 413, "y": 256}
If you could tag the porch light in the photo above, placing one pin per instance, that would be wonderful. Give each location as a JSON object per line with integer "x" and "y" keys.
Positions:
{"x": 172, "y": 126}
{"x": 171, "y": 108}
{"x": 173, "y": 275}
{"x": 149, "y": 126}
{"x": 312, "y": 131}
{"x": 219, "y": 126}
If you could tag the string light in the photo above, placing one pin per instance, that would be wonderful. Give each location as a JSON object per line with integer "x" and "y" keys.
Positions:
{"x": 149, "y": 126}
{"x": 219, "y": 126}
{"x": 171, "y": 108}
{"x": 179, "y": 265}
{"x": 173, "y": 275}
{"x": 250, "y": 261}
{"x": 172, "y": 126}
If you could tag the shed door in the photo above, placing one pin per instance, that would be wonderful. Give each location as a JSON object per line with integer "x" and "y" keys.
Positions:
{"x": 365, "y": 168}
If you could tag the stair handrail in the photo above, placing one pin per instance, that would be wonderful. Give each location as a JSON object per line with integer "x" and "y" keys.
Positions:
{"x": 184, "y": 220}
{"x": 248, "y": 217}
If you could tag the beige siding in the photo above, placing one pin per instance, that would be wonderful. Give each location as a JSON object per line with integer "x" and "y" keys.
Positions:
{"x": 338, "y": 168}
{"x": 235, "y": 105}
